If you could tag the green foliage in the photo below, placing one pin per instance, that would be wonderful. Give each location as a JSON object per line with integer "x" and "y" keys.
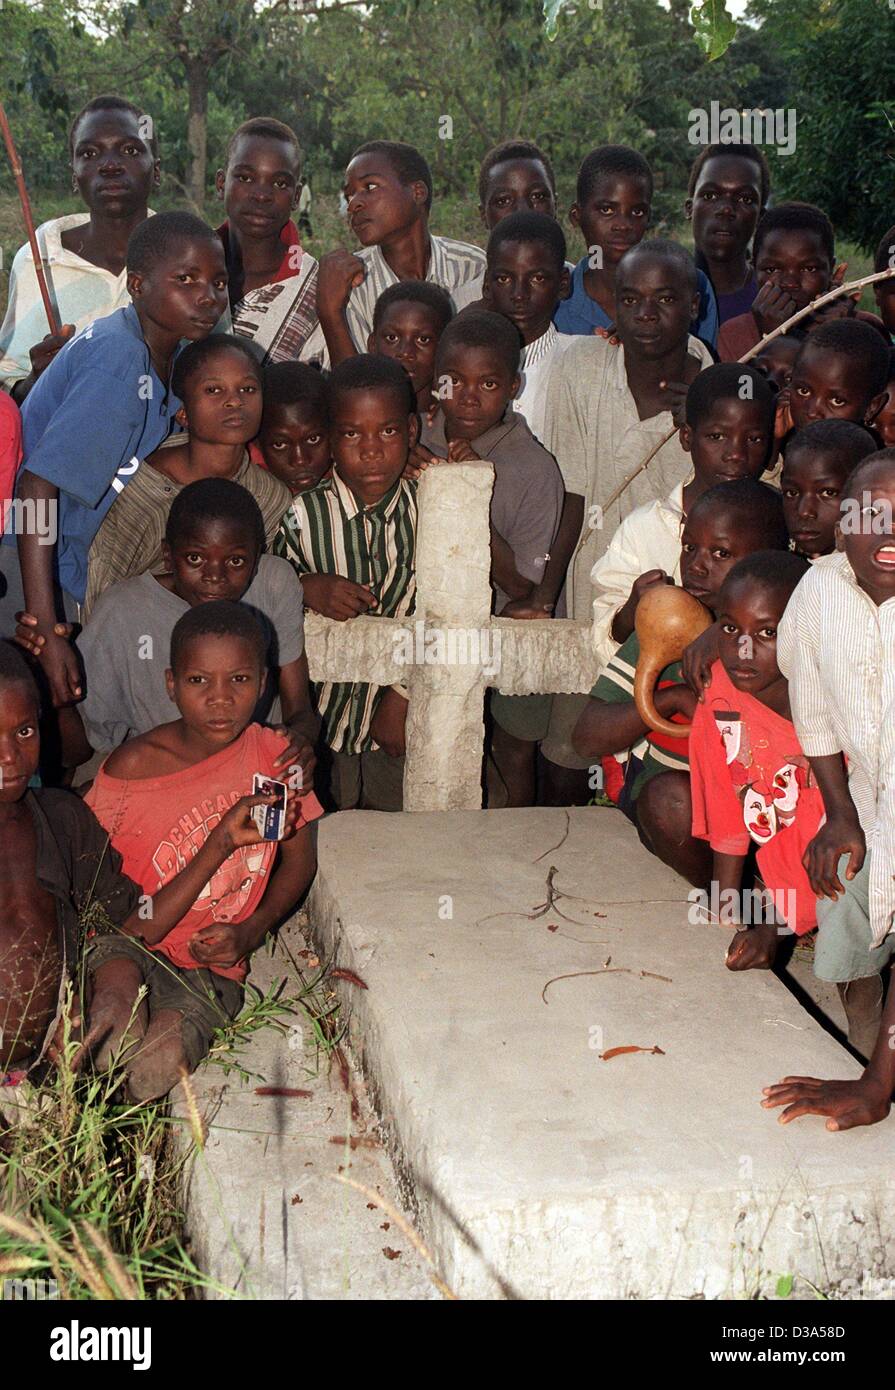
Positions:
{"x": 784, "y": 1286}
{"x": 713, "y": 27}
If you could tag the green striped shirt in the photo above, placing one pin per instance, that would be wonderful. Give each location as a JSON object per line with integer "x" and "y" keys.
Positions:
{"x": 327, "y": 531}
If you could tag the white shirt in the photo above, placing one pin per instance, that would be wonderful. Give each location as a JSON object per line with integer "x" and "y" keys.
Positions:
{"x": 836, "y": 648}
{"x": 534, "y": 369}
{"x": 457, "y": 266}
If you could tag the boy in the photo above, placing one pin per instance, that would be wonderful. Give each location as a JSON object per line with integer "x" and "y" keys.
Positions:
{"x": 840, "y": 373}
{"x": 728, "y": 522}
{"x": 352, "y": 541}
{"x": 749, "y": 779}
{"x": 164, "y": 798}
{"x": 388, "y": 187}
{"x": 795, "y": 262}
{"x": 612, "y": 208}
{"x": 103, "y": 404}
{"x": 607, "y": 409}
{"x": 525, "y": 277}
{"x": 884, "y": 290}
{"x": 728, "y": 435}
{"x": 515, "y": 176}
{"x": 293, "y": 442}
{"x": 726, "y": 195}
{"x": 219, "y": 382}
{"x": 817, "y": 463}
{"x": 114, "y": 165}
{"x": 777, "y": 359}
{"x": 273, "y": 282}
{"x": 408, "y": 320}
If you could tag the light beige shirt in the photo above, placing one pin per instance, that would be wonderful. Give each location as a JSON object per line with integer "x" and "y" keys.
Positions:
{"x": 535, "y": 366}
{"x": 836, "y": 648}
{"x": 594, "y": 433}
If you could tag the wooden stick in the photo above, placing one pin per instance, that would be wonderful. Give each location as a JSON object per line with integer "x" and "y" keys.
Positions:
{"x": 29, "y": 220}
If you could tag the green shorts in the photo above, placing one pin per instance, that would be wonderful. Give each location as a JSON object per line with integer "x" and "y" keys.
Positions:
{"x": 565, "y": 711}
{"x": 206, "y": 1000}
{"x": 369, "y": 781}
{"x": 525, "y": 717}
{"x": 843, "y": 950}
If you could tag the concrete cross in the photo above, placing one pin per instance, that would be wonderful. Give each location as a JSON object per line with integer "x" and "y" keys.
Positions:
{"x": 451, "y": 648}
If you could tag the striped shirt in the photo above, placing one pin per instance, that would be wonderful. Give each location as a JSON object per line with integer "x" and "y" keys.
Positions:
{"x": 457, "y": 266}
{"x": 836, "y": 648}
{"x": 656, "y": 752}
{"x": 327, "y": 531}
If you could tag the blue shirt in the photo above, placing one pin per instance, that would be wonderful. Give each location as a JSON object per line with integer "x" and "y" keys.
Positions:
{"x": 96, "y": 411}
{"x": 580, "y": 314}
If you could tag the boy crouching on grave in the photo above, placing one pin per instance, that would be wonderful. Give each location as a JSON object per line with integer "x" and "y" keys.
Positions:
{"x": 352, "y": 540}
{"x": 177, "y": 803}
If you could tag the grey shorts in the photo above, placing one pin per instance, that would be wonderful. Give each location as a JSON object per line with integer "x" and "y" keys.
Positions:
{"x": 565, "y": 711}
{"x": 206, "y": 1000}
{"x": 369, "y": 781}
{"x": 844, "y": 951}
{"x": 525, "y": 717}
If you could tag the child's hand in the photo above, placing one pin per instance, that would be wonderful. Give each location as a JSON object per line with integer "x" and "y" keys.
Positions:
{"x": 299, "y": 757}
{"x": 418, "y": 460}
{"x": 237, "y": 828}
{"x": 847, "y": 1103}
{"x": 387, "y": 726}
{"x": 43, "y": 352}
{"x": 841, "y": 834}
{"x": 27, "y": 633}
{"x": 772, "y": 306}
{"x": 60, "y": 663}
{"x": 698, "y": 660}
{"x": 524, "y": 608}
{"x": 223, "y": 943}
{"x": 461, "y": 451}
{"x": 336, "y": 597}
{"x": 783, "y": 416}
{"x": 754, "y": 949}
{"x": 338, "y": 273}
{"x": 675, "y": 699}
{"x": 610, "y": 333}
{"x": 676, "y": 400}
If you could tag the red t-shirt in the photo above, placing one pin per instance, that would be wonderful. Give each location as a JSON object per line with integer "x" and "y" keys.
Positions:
{"x": 10, "y": 451}
{"x": 750, "y": 781}
{"x": 157, "y": 824}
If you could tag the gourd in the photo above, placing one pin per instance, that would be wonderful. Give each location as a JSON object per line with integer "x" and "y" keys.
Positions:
{"x": 666, "y": 622}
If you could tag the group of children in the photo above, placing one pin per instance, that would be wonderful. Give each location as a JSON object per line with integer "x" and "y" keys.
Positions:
{"x": 226, "y": 432}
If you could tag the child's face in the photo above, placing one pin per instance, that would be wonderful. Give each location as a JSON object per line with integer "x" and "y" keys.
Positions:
{"x": 185, "y": 293}
{"x": 223, "y": 400}
{"x": 654, "y": 305}
{"x": 113, "y": 165}
{"x": 712, "y": 541}
{"x": 19, "y": 741}
{"x": 615, "y": 215}
{"x": 731, "y": 441}
{"x": 827, "y": 385}
{"x": 870, "y": 544}
{"x": 749, "y": 615}
{"x": 379, "y": 204}
{"x": 884, "y": 421}
{"x": 217, "y": 560}
{"x": 517, "y": 185}
{"x": 409, "y": 333}
{"x": 294, "y": 440}
{"x": 216, "y": 687}
{"x": 777, "y": 360}
{"x": 371, "y": 436}
{"x": 725, "y": 206}
{"x": 884, "y": 294}
{"x": 812, "y": 485}
{"x": 480, "y": 387}
{"x": 259, "y": 185}
{"x": 795, "y": 259}
{"x": 524, "y": 283}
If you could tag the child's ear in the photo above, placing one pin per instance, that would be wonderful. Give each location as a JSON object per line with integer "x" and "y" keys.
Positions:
{"x": 514, "y": 389}
{"x": 688, "y": 208}
{"x": 565, "y": 283}
{"x": 413, "y": 429}
{"x": 685, "y": 434}
{"x": 486, "y": 288}
{"x": 575, "y": 215}
{"x": 157, "y": 173}
{"x": 875, "y": 407}
{"x": 371, "y": 339}
{"x": 694, "y": 307}
{"x": 169, "y": 684}
{"x": 135, "y": 283}
{"x": 167, "y": 559}
{"x": 420, "y": 192}
{"x": 219, "y": 181}
{"x": 181, "y": 418}
{"x": 263, "y": 686}
{"x": 840, "y": 539}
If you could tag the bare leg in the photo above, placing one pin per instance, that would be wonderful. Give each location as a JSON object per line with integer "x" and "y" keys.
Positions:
{"x": 664, "y": 814}
{"x": 118, "y": 1026}
{"x": 863, "y": 1004}
{"x": 563, "y": 786}
{"x": 514, "y": 759}
{"x": 157, "y": 1066}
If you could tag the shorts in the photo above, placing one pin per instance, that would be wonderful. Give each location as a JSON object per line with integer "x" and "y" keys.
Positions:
{"x": 565, "y": 711}
{"x": 843, "y": 950}
{"x": 206, "y": 1000}
{"x": 525, "y": 717}
{"x": 368, "y": 781}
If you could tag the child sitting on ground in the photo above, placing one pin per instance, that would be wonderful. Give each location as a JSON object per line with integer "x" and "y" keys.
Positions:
{"x": 817, "y": 462}
{"x": 163, "y": 797}
{"x": 726, "y": 195}
{"x": 749, "y": 780}
{"x": 352, "y": 541}
{"x": 727, "y": 523}
{"x": 293, "y": 442}
{"x": 219, "y": 382}
{"x": 728, "y": 435}
{"x": 408, "y": 322}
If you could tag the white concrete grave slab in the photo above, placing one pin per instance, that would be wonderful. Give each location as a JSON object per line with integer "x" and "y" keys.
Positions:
{"x": 539, "y": 1170}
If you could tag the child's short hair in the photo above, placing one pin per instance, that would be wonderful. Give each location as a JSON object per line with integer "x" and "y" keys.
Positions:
{"x": 611, "y": 159}
{"x": 158, "y": 236}
{"x": 406, "y": 160}
{"x": 666, "y": 249}
{"x": 768, "y": 569}
{"x": 268, "y": 128}
{"x": 370, "y": 372}
{"x": 109, "y": 102}
{"x": 296, "y": 383}
{"x": 415, "y": 292}
{"x": 14, "y": 670}
{"x": 725, "y": 381}
{"x": 885, "y": 251}
{"x": 860, "y": 342}
{"x": 218, "y": 618}
{"x": 842, "y": 439}
{"x": 753, "y": 153}
{"x": 799, "y": 217}
{"x": 754, "y": 504}
{"x": 214, "y": 499}
{"x": 530, "y": 226}
{"x": 195, "y": 355}
{"x": 513, "y": 149}
{"x": 482, "y": 328}
{"x": 882, "y": 456}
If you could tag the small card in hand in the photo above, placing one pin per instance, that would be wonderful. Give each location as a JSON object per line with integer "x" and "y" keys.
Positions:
{"x": 270, "y": 819}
